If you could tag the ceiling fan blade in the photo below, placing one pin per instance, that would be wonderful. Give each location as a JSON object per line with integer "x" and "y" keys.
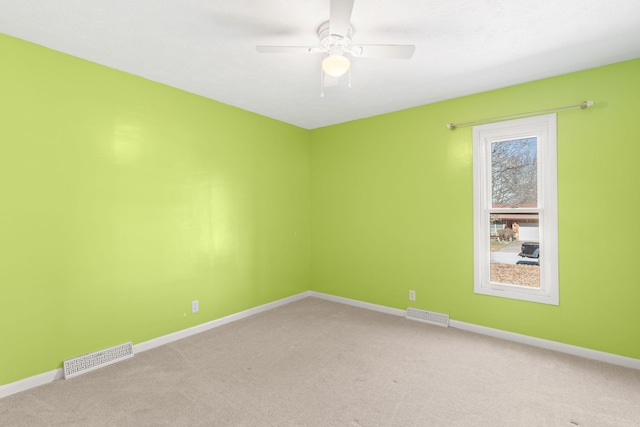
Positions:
{"x": 340, "y": 17}
{"x": 285, "y": 49}
{"x": 391, "y": 51}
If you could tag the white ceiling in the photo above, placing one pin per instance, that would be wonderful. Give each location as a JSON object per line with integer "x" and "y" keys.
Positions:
{"x": 207, "y": 47}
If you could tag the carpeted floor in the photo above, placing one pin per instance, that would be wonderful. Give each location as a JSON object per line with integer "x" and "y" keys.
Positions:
{"x": 319, "y": 363}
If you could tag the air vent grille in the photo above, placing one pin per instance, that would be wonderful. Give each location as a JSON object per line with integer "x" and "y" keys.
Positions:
{"x": 89, "y": 362}
{"x": 428, "y": 317}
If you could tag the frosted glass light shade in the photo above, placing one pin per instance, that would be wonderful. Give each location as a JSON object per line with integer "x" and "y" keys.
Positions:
{"x": 335, "y": 65}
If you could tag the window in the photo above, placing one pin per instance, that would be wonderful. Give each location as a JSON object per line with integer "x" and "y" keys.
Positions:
{"x": 515, "y": 209}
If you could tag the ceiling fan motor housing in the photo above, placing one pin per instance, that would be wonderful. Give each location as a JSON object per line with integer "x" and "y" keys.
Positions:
{"x": 333, "y": 43}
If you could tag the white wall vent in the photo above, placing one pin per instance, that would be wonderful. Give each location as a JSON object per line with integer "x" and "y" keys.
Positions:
{"x": 89, "y": 362}
{"x": 428, "y": 317}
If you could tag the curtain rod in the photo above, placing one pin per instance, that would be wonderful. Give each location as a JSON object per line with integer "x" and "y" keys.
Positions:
{"x": 583, "y": 105}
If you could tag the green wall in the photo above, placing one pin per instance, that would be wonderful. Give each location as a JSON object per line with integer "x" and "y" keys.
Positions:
{"x": 392, "y": 210}
{"x": 123, "y": 200}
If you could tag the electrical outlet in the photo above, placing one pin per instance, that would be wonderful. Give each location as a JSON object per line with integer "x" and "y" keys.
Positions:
{"x": 412, "y": 295}
{"x": 194, "y": 306}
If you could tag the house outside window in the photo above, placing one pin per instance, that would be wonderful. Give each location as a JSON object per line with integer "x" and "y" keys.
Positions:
{"x": 515, "y": 209}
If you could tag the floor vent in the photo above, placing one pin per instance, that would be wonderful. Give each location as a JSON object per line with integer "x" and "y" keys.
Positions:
{"x": 89, "y": 362}
{"x": 428, "y": 317}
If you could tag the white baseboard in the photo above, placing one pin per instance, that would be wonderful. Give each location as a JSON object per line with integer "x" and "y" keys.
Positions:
{"x": 175, "y": 336}
{"x": 31, "y": 382}
{"x": 361, "y": 304}
{"x": 614, "y": 359}
{"x": 587, "y": 353}
{"x": 57, "y": 374}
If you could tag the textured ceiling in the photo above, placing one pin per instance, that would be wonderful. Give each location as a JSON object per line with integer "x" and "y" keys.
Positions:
{"x": 207, "y": 47}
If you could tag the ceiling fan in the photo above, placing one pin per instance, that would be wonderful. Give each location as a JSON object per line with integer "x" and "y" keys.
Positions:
{"x": 335, "y": 42}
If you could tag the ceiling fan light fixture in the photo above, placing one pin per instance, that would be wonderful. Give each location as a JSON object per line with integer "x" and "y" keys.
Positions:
{"x": 335, "y": 64}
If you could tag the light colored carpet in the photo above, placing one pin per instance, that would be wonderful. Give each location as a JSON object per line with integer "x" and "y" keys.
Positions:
{"x": 319, "y": 363}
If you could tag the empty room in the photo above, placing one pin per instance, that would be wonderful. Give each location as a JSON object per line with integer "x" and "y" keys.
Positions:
{"x": 319, "y": 213}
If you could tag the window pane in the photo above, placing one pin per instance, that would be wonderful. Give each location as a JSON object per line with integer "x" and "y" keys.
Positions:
{"x": 515, "y": 249}
{"x": 514, "y": 173}
{"x": 515, "y": 209}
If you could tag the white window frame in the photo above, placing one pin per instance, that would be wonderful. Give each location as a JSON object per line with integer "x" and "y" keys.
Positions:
{"x": 544, "y": 129}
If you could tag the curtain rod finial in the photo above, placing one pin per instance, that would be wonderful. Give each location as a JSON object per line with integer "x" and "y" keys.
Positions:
{"x": 451, "y": 126}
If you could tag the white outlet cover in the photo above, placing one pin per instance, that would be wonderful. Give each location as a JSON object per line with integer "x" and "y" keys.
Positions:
{"x": 194, "y": 306}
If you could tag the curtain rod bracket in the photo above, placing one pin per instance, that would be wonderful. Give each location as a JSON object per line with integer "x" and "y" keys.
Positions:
{"x": 586, "y": 104}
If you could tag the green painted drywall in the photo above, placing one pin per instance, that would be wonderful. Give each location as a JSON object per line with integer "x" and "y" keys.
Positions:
{"x": 123, "y": 200}
{"x": 392, "y": 210}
